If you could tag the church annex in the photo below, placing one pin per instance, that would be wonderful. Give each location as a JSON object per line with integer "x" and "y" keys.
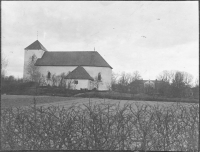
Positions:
{"x": 83, "y": 69}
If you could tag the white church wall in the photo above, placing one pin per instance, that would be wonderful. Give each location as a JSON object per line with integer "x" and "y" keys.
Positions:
{"x": 55, "y": 69}
{"x": 82, "y": 84}
{"x": 90, "y": 85}
{"x": 106, "y": 74}
{"x": 27, "y": 58}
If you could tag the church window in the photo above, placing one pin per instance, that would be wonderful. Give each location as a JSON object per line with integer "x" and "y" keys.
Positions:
{"x": 33, "y": 58}
{"x": 48, "y": 75}
{"x": 75, "y": 81}
{"x": 99, "y": 76}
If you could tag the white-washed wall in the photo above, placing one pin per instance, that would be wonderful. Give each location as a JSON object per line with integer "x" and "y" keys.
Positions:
{"x": 56, "y": 69}
{"x": 92, "y": 71}
{"x": 82, "y": 84}
{"x": 106, "y": 74}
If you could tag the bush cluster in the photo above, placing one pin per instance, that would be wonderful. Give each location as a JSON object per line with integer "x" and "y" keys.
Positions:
{"x": 10, "y": 85}
{"x": 102, "y": 126}
{"x": 176, "y": 84}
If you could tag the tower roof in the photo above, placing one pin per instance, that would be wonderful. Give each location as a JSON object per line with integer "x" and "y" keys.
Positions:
{"x": 36, "y": 46}
{"x": 79, "y": 73}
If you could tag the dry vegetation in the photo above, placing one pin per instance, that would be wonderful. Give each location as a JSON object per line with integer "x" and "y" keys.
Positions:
{"x": 101, "y": 126}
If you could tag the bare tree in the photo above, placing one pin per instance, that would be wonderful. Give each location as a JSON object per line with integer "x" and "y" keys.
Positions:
{"x": 181, "y": 84}
{"x": 97, "y": 82}
{"x": 187, "y": 79}
{"x": 62, "y": 82}
{"x": 175, "y": 83}
{"x": 136, "y": 76}
{"x": 54, "y": 80}
{"x": 43, "y": 80}
{"x": 124, "y": 81}
{"x": 114, "y": 80}
{"x": 195, "y": 89}
{"x": 4, "y": 64}
{"x": 197, "y": 82}
{"x": 69, "y": 84}
{"x": 33, "y": 71}
{"x": 166, "y": 76}
{"x": 136, "y": 84}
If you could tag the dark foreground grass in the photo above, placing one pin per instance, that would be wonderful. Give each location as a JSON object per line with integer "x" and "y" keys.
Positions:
{"x": 101, "y": 127}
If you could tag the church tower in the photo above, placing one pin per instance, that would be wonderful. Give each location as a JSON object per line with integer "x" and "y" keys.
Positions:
{"x": 31, "y": 54}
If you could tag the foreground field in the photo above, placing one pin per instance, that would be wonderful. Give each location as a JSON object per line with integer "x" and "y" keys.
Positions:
{"x": 45, "y": 101}
{"x": 25, "y": 100}
{"x": 101, "y": 125}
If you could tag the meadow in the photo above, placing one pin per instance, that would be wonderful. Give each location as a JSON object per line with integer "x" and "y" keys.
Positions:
{"x": 27, "y": 100}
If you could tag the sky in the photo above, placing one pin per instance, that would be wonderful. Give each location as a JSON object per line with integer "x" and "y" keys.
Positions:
{"x": 144, "y": 36}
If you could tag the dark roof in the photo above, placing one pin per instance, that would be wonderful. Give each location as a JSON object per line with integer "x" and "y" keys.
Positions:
{"x": 72, "y": 58}
{"x": 36, "y": 46}
{"x": 79, "y": 73}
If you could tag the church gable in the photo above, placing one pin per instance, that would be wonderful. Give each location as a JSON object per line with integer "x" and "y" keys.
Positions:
{"x": 79, "y": 73}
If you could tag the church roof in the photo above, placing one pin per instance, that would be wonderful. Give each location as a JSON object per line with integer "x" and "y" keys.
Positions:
{"x": 79, "y": 73}
{"x": 72, "y": 58}
{"x": 36, "y": 46}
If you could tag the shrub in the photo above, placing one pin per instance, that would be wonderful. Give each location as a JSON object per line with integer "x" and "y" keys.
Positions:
{"x": 101, "y": 126}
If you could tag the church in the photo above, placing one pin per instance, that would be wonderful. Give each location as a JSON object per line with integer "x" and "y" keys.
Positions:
{"x": 83, "y": 69}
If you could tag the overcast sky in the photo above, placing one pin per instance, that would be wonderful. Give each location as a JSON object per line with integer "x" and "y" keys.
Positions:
{"x": 145, "y": 36}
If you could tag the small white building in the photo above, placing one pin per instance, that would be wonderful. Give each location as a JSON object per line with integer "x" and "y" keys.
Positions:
{"x": 79, "y": 79}
{"x": 85, "y": 68}
{"x": 149, "y": 83}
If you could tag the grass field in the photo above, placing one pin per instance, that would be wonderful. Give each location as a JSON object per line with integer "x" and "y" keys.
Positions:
{"x": 135, "y": 97}
{"x": 50, "y": 126}
{"x": 24, "y": 100}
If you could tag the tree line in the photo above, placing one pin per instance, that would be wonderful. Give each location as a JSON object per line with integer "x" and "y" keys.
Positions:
{"x": 169, "y": 83}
